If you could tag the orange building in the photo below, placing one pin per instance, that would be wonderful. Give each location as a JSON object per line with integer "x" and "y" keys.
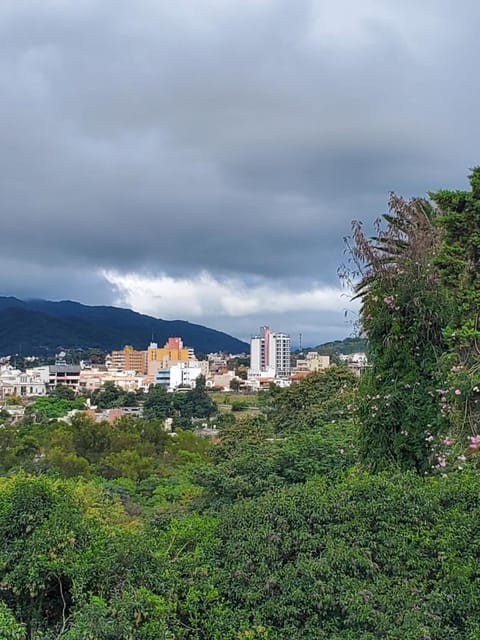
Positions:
{"x": 129, "y": 360}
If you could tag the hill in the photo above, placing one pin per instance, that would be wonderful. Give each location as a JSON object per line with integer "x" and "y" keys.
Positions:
{"x": 39, "y": 327}
{"x": 342, "y": 347}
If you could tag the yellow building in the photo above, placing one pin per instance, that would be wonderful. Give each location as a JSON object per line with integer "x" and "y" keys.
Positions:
{"x": 162, "y": 357}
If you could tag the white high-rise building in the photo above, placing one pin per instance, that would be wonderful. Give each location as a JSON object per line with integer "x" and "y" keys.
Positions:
{"x": 270, "y": 354}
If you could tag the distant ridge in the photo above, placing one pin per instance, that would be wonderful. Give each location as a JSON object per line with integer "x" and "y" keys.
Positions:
{"x": 342, "y": 347}
{"x": 39, "y": 327}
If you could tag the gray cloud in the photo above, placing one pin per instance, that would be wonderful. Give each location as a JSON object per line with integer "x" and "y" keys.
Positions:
{"x": 234, "y": 137}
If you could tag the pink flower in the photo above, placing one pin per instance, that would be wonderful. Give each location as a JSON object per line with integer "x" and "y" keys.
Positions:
{"x": 474, "y": 442}
{"x": 458, "y": 392}
{"x": 448, "y": 441}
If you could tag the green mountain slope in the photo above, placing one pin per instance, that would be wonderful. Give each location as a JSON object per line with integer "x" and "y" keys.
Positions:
{"x": 36, "y": 327}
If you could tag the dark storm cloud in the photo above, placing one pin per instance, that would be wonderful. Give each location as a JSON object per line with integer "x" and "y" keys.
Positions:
{"x": 234, "y": 137}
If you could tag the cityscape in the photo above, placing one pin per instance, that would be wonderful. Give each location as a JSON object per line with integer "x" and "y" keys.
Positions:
{"x": 173, "y": 366}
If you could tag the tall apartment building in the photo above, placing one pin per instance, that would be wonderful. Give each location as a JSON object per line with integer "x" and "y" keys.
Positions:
{"x": 270, "y": 354}
{"x": 128, "y": 359}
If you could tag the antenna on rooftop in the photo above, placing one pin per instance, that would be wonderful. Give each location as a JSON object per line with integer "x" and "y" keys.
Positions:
{"x": 300, "y": 342}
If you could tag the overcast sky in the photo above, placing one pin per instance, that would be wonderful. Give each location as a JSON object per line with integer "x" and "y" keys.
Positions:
{"x": 203, "y": 159}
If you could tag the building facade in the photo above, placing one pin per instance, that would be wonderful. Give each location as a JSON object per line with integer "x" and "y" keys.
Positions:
{"x": 128, "y": 359}
{"x": 20, "y": 384}
{"x": 270, "y": 354}
{"x": 162, "y": 357}
{"x": 312, "y": 362}
{"x": 181, "y": 374}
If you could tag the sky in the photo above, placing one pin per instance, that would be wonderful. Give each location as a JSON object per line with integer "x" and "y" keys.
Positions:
{"x": 204, "y": 160}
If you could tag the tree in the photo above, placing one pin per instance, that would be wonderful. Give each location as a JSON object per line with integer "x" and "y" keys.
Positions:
{"x": 202, "y": 404}
{"x": 404, "y": 310}
{"x": 63, "y": 392}
{"x": 50, "y": 407}
{"x": 92, "y": 440}
{"x": 254, "y": 468}
{"x": 108, "y": 396}
{"x": 318, "y": 398}
{"x": 67, "y": 464}
{"x": 458, "y": 263}
{"x": 158, "y": 404}
{"x": 368, "y": 558}
{"x": 44, "y": 536}
{"x": 126, "y": 464}
{"x": 10, "y": 629}
{"x": 235, "y": 384}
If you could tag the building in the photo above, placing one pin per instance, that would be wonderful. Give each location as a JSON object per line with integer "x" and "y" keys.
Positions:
{"x": 18, "y": 383}
{"x": 181, "y": 374}
{"x": 356, "y": 362}
{"x": 162, "y": 357}
{"x": 270, "y": 355}
{"x": 217, "y": 363}
{"x": 312, "y": 362}
{"x": 67, "y": 375}
{"x": 128, "y": 359}
{"x": 93, "y": 379}
{"x": 221, "y": 380}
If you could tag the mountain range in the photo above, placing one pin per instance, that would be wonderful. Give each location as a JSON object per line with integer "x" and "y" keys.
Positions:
{"x": 40, "y": 327}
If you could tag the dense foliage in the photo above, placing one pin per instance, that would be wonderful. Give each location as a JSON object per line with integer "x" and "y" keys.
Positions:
{"x": 458, "y": 263}
{"x": 183, "y": 406}
{"x": 419, "y": 286}
{"x": 318, "y": 559}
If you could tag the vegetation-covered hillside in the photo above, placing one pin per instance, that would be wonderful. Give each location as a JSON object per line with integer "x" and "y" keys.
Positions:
{"x": 342, "y": 347}
{"x": 40, "y": 327}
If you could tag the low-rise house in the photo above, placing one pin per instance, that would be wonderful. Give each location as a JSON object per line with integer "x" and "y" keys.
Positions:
{"x": 312, "y": 363}
{"x": 357, "y": 362}
{"x": 220, "y": 380}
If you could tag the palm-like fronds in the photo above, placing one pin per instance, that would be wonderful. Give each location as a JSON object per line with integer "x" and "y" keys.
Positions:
{"x": 405, "y": 243}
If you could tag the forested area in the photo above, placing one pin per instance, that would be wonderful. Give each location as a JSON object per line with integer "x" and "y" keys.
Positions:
{"x": 344, "y": 510}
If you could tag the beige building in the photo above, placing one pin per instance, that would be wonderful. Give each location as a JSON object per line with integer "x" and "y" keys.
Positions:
{"x": 312, "y": 362}
{"x": 221, "y": 380}
{"x": 94, "y": 379}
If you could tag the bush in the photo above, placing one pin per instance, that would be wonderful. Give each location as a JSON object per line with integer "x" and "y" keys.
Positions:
{"x": 368, "y": 558}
